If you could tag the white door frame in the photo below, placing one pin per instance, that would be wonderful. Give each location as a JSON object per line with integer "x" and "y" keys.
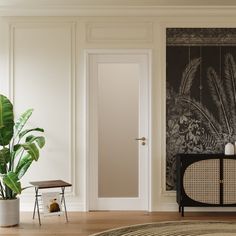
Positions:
{"x": 88, "y": 145}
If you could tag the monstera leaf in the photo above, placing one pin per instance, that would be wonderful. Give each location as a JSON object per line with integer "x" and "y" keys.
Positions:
{"x": 6, "y": 121}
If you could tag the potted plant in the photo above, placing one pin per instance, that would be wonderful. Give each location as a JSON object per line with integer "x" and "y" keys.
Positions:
{"x": 18, "y": 149}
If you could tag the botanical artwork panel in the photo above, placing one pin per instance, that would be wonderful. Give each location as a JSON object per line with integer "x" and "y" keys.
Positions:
{"x": 200, "y": 93}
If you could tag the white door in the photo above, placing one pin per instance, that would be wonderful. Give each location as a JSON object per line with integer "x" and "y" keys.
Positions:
{"x": 118, "y": 129}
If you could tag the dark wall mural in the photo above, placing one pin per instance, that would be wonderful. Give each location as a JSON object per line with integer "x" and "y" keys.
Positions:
{"x": 200, "y": 92}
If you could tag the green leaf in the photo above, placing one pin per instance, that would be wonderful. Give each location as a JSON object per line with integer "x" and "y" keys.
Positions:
{"x": 23, "y": 165}
{"x": 20, "y": 123}
{"x": 3, "y": 169}
{"x": 32, "y": 150}
{"x": 12, "y": 181}
{"x": 29, "y": 130}
{"x": 4, "y": 156}
{"x": 6, "y": 120}
{"x": 29, "y": 138}
{"x": 16, "y": 147}
{"x": 40, "y": 140}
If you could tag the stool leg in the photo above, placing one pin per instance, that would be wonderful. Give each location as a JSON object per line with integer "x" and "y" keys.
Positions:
{"x": 64, "y": 201}
{"x": 34, "y": 208}
{"x": 37, "y": 204}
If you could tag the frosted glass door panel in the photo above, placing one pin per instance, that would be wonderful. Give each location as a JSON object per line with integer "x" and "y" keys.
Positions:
{"x": 118, "y": 122}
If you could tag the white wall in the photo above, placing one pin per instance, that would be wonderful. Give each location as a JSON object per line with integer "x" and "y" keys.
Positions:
{"x": 42, "y": 66}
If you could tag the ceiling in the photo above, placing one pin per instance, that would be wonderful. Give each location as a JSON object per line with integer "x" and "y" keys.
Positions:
{"x": 28, "y": 3}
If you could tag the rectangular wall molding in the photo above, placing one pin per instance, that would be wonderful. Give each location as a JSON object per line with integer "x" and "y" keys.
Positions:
{"x": 66, "y": 34}
{"x": 135, "y": 32}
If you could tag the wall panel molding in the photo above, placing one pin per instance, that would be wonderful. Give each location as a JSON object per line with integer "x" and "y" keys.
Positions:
{"x": 119, "y": 32}
{"x": 71, "y": 27}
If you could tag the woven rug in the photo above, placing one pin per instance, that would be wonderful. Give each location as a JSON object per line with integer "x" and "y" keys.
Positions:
{"x": 176, "y": 228}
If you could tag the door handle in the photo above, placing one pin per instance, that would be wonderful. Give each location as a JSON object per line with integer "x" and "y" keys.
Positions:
{"x": 142, "y": 139}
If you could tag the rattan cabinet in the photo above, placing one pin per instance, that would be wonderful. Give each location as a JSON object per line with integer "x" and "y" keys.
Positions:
{"x": 205, "y": 180}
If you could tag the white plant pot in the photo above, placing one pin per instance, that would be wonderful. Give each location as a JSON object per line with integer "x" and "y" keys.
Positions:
{"x": 9, "y": 212}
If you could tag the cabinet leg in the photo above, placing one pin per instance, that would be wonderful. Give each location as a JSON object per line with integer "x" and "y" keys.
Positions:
{"x": 182, "y": 211}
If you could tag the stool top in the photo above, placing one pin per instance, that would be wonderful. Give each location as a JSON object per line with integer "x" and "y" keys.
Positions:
{"x": 50, "y": 184}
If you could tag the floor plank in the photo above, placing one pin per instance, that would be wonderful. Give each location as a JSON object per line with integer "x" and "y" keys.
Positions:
{"x": 85, "y": 223}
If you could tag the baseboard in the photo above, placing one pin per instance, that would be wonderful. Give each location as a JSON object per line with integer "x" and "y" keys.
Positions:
{"x": 72, "y": 204}
{"x": 173, "y": 207}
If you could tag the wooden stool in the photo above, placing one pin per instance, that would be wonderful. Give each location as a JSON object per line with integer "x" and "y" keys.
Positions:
{"x": 49, "y": 184}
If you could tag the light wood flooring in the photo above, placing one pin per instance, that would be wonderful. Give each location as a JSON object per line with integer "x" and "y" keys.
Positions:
{"x": 86, "y": 223}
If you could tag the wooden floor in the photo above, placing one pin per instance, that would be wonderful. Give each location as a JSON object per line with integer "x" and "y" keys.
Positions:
{"x": 86, "y": 223}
